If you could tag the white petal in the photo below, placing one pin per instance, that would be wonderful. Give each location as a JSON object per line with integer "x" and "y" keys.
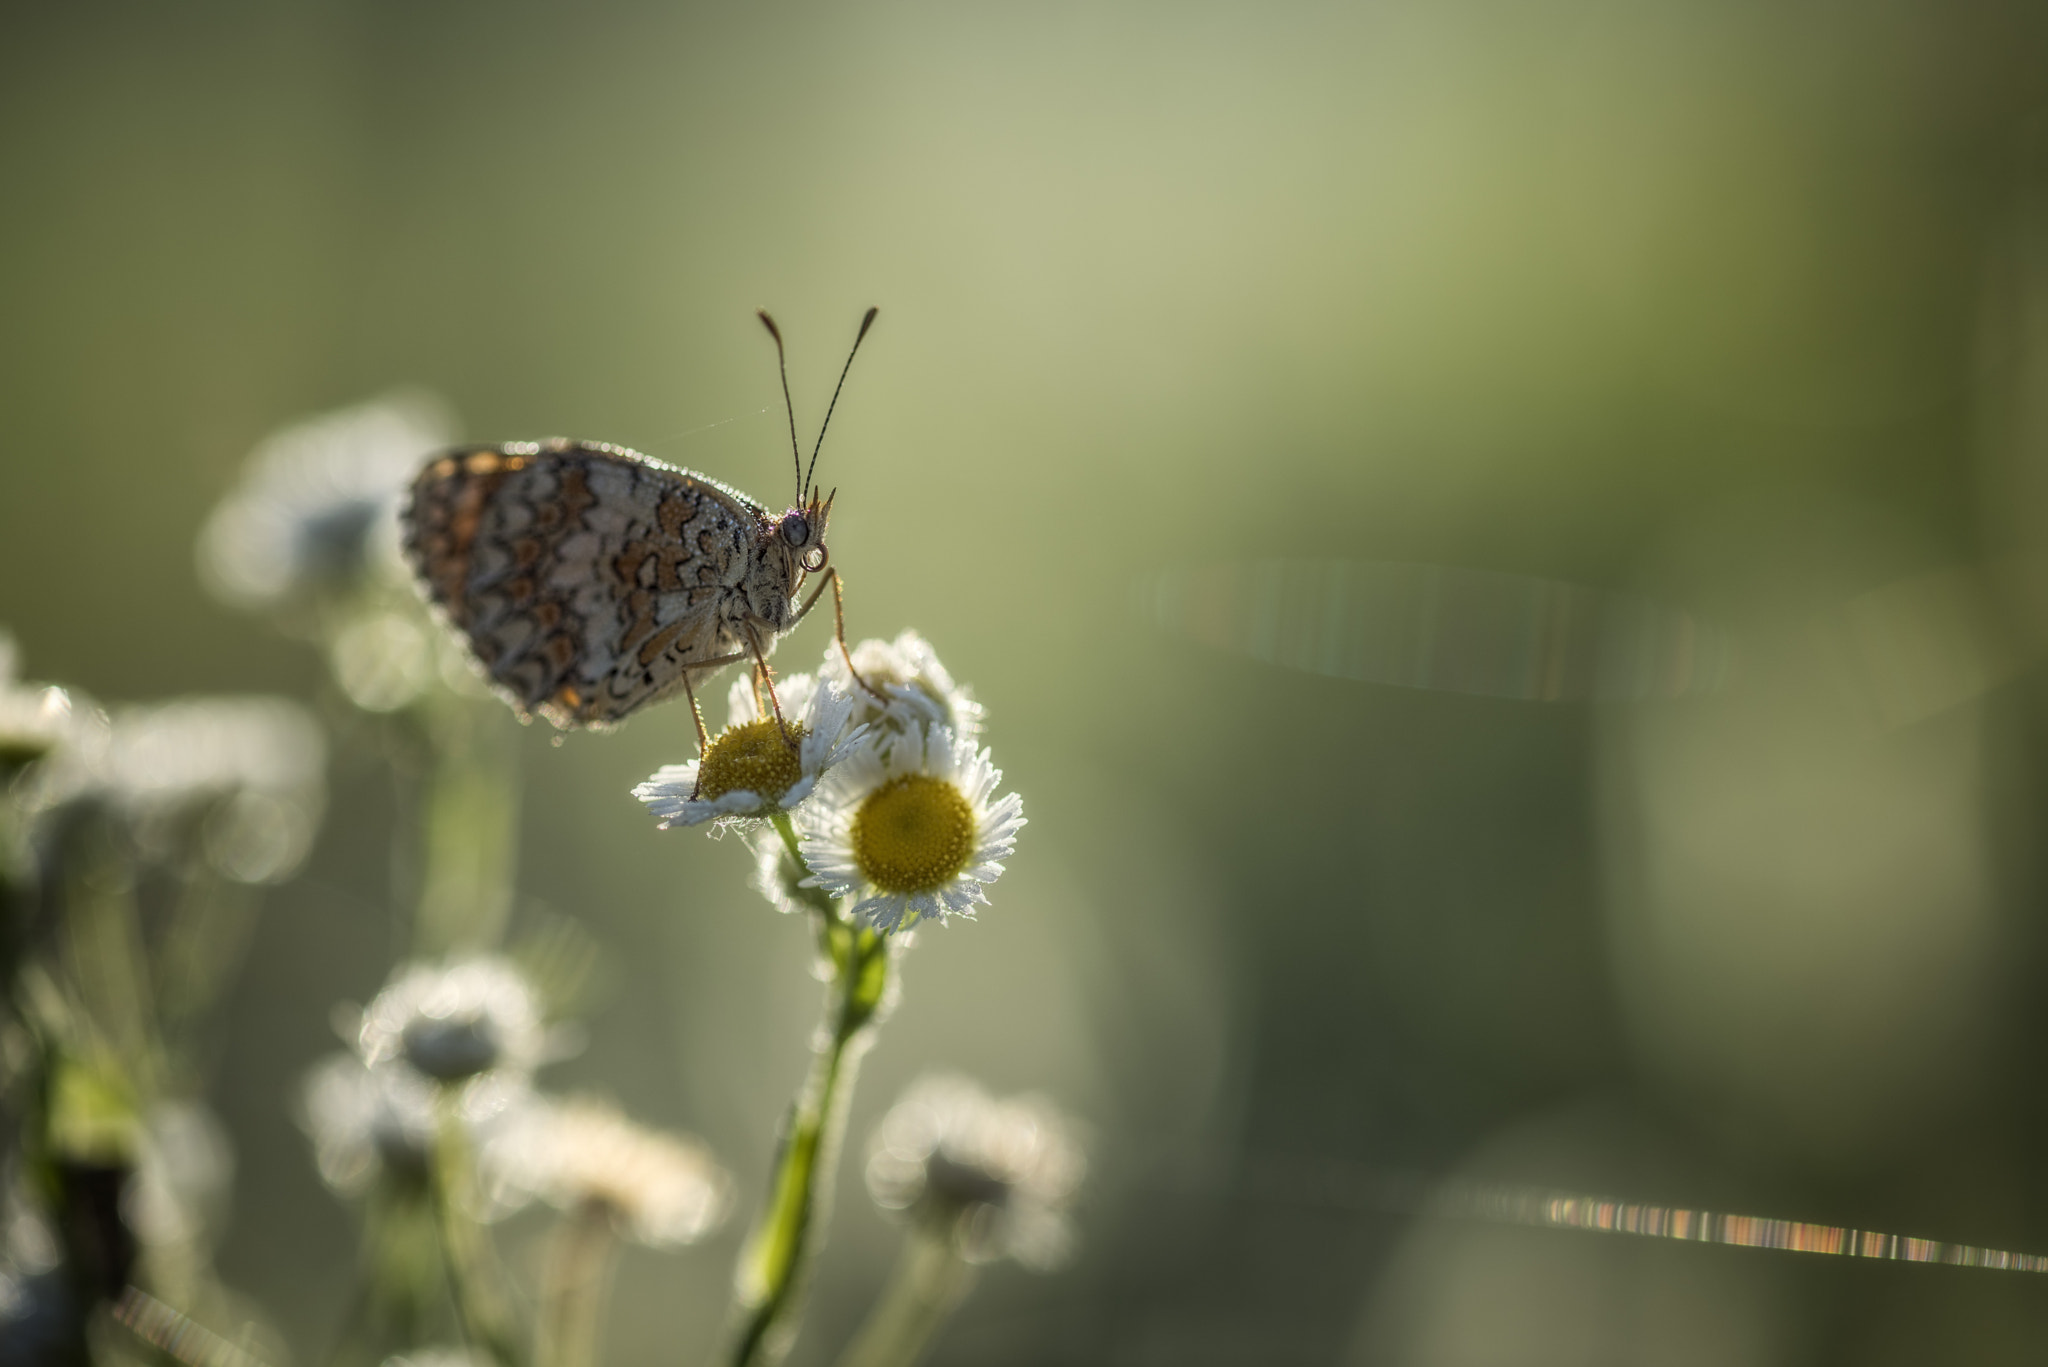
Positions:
{"x": 669, "y": 778}
{"x": 883, "y": 911}
{"x": 739, "y": 702}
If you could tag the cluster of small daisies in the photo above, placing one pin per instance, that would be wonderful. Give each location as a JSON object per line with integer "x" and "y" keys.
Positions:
{"x": 128, "y": 837}
{"x": 868, "y": 800}
{"x": 876, "y": 769}
{"x": 462, "y": 1040}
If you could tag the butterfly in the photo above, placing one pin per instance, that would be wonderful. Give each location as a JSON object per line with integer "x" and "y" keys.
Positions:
{"x": 588, "y": 581}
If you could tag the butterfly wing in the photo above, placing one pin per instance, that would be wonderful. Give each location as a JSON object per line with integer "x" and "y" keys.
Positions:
{"x": 585, "y": 579}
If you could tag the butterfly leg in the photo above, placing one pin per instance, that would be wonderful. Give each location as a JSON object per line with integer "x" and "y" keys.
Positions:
{"x": 838, "y": 626}
{"x": 697, "y": 716}
{"x": 703, "y": 736}
{"x": 762, "y": 677}
{"x": 697, "y": 711}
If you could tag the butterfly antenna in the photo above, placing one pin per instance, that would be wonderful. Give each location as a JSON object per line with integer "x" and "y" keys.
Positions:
{"x": 866, "y": 322}
{"x": 782, "y": 364}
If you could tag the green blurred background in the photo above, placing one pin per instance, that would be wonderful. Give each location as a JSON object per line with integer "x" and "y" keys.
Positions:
{"x": 1742, "y": 306}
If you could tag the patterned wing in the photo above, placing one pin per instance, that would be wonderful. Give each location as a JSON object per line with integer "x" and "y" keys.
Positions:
{"x": 584, "y": 578}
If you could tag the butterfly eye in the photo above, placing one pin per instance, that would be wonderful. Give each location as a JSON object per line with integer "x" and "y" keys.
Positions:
{"x": 814, "y": 559}
{"x": 795, "y": 530}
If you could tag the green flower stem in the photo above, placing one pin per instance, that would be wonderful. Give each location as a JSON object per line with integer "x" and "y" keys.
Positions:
{"x": 776, "y": 1260}
{"x": 17, "y": 885}
{"x": 929, "y": 1281}
{"x": 581, "y": 1254}
{"x": 472, "y": 1273}
{"x": 469, "y": 826}
{"x": 105, "y": 959}
{"x": 202, "y": 948}
{"x": 399, "y": 1278}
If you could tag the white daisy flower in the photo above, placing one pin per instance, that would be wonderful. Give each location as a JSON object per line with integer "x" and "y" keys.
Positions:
{"x": 455, "y": 1021}
{"x": 909, "y": 829}
{"x": 316, "y": 508}
{"x": 364, "y": 1121}
{"x": 242, "y": 776}
{"x": 192, "y": 749}
{"x": 992, "y": 1176}
{"x": 918, "y": 689}
{"x": 184, "y": 1174}
{"x": 660, "y": 1190}
{"x": 377, "y": 1123}
{"x": 34, "y": 719}
{"x": 750, "y": 769}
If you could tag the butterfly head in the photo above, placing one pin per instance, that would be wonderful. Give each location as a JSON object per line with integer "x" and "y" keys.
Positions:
{"x": 801, "y": 531}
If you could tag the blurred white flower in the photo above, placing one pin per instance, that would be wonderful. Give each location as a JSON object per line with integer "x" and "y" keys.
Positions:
{"x": 455, "y": 1020}
{"x": 28, "y": 1244}
{"x": 316, "y": 507}
{"x": 660, "y": 1190}
{"x": 34, "y": 719}
{"x": 251, "y": 770}
{"x": 184, "y": 1172}
{"x": 910, "y": 829}
{"x": 992, "y": 1175}
{"x": 918, "y": 689}
{"x": 368, "y": 1123}
{"x": 364, "y": 1121}
{"x": 750, "y": 769}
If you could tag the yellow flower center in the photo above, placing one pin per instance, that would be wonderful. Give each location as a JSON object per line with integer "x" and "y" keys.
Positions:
{"x": 753, "y": 758}
{"x": 913, "y": 833}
